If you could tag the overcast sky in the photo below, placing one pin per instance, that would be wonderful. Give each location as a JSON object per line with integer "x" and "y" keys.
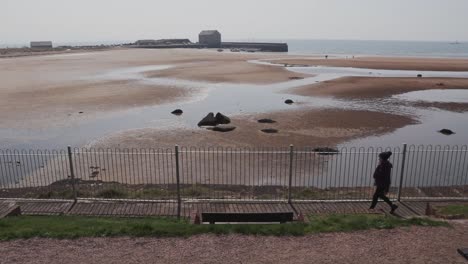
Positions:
{"x": 114, "y": 20}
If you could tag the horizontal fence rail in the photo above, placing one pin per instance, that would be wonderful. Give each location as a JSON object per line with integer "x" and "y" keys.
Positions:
{"x": 177, "y": 175}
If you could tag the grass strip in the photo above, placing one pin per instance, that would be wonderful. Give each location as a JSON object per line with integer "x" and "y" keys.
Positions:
{"x": 70, "y": 227}
{"x": 453, "y": 209}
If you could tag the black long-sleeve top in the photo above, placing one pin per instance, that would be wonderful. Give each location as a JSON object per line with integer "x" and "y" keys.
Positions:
{"x": 382, "y": 174}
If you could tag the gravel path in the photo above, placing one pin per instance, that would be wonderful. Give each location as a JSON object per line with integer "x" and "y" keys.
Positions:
{"x": 404, "y": 245}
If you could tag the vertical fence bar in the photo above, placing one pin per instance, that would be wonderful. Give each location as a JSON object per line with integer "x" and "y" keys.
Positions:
{"x": 72, "y": 174}
{"x": 291, "y": 158}
{"x": 403, "y": 160}
{"x": 179, "y": 205}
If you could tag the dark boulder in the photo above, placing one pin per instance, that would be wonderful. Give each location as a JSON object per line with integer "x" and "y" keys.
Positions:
{"x": 270, "y": 130}
{"x": 326, "y": 151}
{"x": 208, "y": 120}
{"x": 177, "y": 112}
{"x": 222, "y": 119}
{"x": 446, "y": 132}
{"x": 223, "y": 128}
{"x": 296, "y": 78}
{"x": 266, "y": 121}
{"x": 289, "y": 101}
{"x": 419, "y": 75}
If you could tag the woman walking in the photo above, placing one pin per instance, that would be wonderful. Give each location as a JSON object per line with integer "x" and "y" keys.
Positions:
{"x": 382, "y": 177}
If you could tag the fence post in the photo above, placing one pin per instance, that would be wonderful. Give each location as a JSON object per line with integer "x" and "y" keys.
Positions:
{"x": 72, "y": 174}
{"x": 179, "y": 201}
{"x": 291, "y": 159}
{"x": 402, "y": 172}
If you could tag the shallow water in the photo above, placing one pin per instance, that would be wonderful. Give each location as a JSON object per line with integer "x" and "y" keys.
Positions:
{"x": 436, "y": 95}
{"x": 424, "y": 133}
{"x": 349, "y": 71}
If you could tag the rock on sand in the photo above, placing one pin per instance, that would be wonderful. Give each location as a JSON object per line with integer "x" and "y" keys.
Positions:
{"x": 446, "y": 132}
{"x": 266, "y": 121}
{"x": 222, "y": 119}
{"x": 177, "y": 112}
{"x": 270, "y": 130}
{"x": 208, "y": 120}
{"x": 212, "y": 120}
{"x": 223, "y": 128}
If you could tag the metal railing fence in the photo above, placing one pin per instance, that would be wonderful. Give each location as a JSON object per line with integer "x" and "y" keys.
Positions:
{"x": 273, "y": 174}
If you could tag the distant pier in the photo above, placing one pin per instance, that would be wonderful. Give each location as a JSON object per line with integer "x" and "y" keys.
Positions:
{"x": 247, "y": 46}
{"x": 271, "y": 47}
{"x": 210, "y": 39}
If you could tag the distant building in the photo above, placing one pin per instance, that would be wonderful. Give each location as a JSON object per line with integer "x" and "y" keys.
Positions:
{"x": 210, "y": 38}
{"x": 41, "y": 45}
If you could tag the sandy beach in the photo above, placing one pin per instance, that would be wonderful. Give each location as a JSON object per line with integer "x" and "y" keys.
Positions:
{"x": 69, "y": 90}
{"x": 383, "y": 63}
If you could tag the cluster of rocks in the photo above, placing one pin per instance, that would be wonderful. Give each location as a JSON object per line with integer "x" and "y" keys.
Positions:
{"x": 212, "y": 120}
{"x": 216, "y": 122}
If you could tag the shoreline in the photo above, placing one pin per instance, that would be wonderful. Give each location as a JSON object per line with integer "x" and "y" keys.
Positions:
{"x": 11, "y": 53}
{"x": 382, "y": 63}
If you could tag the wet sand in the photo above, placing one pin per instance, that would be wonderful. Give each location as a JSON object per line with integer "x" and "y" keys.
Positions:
{"x": 306, "y": 127}
{"x": 229, "y": 72}
{"x": 64, "y": 103}
{"x": 369, "y": 88}
{"x": 45, "y": 90}
{"x": 384, "y": 63}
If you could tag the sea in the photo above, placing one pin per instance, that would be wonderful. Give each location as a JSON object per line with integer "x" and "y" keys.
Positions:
{"x": 447, "y": 49}
{"x": 453, "y": 49}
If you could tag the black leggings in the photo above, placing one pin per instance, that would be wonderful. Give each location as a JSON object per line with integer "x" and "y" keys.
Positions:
{"x": 380, "y": 193}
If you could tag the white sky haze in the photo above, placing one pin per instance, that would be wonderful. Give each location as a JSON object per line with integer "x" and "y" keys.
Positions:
{"x": 118, "y": 20}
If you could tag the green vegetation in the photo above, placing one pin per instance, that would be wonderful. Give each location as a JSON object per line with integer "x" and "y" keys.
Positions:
{"x": 354, "y": 222}
{"x": 75, "y": 226}
{"x": 453, "y": 209}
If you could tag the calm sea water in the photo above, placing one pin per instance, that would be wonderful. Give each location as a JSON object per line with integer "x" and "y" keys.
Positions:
{"x": 381, "y": 48}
